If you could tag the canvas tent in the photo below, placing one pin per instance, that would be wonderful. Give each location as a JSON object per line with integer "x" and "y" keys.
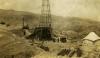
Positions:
{"x": 89, "y": 40}
{"x": 92, "y": 36}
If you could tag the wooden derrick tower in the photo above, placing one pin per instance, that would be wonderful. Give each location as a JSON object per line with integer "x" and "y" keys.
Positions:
{"x": 44, "y": 30}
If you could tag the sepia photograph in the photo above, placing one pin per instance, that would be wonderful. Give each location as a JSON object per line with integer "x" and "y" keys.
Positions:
{"x": 49, "y": 28}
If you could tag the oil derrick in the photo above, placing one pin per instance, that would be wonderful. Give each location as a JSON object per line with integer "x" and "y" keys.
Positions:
{"x": 44, "y": 30}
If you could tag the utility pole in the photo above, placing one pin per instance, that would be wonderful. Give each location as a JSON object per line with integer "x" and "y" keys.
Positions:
{"x": 23, "y": 25}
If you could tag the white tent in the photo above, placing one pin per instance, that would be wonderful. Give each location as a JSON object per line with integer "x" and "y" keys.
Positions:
{"x": 92, "y": 37}
{"x": 88, "y": 41}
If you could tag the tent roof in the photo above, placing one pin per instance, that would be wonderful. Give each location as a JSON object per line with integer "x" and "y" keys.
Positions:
{"x": 92, "y": 36}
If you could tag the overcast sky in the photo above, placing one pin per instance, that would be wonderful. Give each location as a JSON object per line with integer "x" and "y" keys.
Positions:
{"x": 78, "y": 8}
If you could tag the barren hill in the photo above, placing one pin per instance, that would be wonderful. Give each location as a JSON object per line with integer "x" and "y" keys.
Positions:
{"x": 80, "y": 25}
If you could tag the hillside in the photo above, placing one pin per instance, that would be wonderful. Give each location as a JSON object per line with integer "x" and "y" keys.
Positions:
{"x": 14, "y": 18}
{"x": 80, "y": 25}
{"x": 74, "y": 28}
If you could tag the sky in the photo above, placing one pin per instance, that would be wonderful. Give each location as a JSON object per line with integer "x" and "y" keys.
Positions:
{"x": 76, "y": 8}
